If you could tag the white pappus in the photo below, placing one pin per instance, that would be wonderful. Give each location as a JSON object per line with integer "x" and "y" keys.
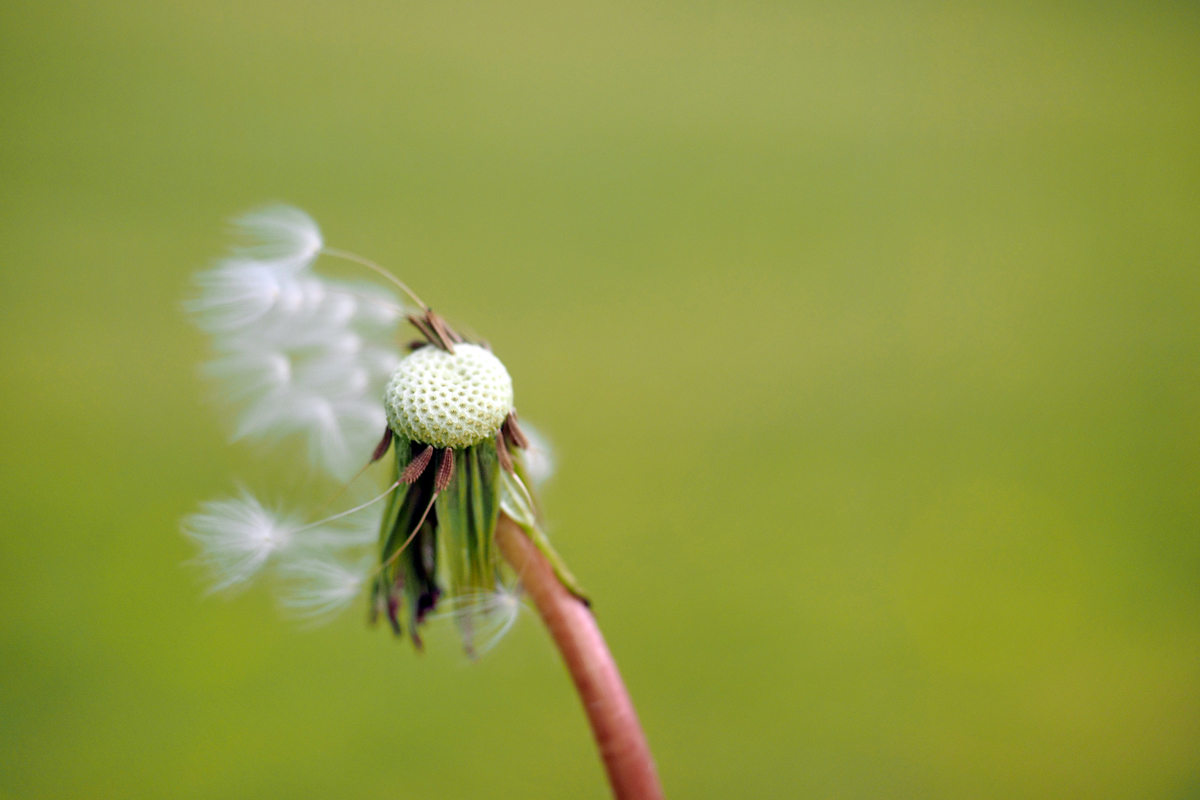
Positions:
{"x": 297, "y": 353}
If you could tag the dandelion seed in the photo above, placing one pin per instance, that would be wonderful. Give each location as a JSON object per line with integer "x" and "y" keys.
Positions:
{"x": 234, "y": 295}
{"x": 298, "y": 354}
{"x": 236, "y": 538}
{"x": 483, "y": 618}
{"x": 539, "y": 458}
{"x": 282, "y": 234}
{"x": 316, "y": 587}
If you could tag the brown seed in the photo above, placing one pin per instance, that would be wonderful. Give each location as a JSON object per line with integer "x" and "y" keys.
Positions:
{"x": 512, "y": 431}
{"x": 438, "y": 326}
{"x": 416, "y": 467}
{"x": 383, "y": 446}
{"x": 445, "y": 470}
{"x": 420, "y": 324}
{"x": 502, "y": 452}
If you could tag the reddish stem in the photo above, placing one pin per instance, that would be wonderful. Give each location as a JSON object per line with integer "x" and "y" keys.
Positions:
{"x": 623, "y": 748}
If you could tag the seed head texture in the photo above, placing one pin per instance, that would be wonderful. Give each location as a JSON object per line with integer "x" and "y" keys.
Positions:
{"x": 449, "y": 400}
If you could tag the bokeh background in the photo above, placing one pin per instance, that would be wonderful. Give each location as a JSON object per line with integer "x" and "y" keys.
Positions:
{"x": 866, "y": 333}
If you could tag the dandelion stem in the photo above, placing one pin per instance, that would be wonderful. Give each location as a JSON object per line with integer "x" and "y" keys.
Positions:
{"x": 619, "y": 736}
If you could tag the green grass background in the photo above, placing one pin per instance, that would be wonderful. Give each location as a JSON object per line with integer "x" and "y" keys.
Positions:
{"x": 867, "y": 335}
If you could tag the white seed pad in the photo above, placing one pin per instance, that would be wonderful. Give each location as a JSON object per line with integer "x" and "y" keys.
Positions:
{"x": 449, "y": 400}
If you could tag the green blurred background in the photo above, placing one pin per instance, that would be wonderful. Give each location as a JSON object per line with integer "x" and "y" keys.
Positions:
{"x": 867, "y": 335}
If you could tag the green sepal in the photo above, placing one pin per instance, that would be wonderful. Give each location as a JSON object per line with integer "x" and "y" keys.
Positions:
{"x": 414, "y": 572}
{"x": 455, "y": 546}
{"x": 517, "y": 502}
{"x": 467, "y": 512}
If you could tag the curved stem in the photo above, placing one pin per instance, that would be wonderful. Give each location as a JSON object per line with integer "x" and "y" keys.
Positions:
{"x": 623, "y": 748}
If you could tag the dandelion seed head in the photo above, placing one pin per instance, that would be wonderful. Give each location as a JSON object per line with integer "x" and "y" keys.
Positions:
{"x": 297, "y": 354}
{"x": 449, "y": 400}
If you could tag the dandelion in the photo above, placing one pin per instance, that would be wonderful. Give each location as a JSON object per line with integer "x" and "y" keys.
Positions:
{"x": 456, "y": 530}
